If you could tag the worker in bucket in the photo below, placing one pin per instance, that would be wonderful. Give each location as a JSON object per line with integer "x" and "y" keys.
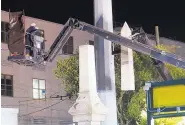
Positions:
{"x": 28, "y": 41}
{"x": 39, "y": 42}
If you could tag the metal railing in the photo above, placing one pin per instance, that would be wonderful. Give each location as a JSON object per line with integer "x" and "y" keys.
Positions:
{"x": 42, "y": 120}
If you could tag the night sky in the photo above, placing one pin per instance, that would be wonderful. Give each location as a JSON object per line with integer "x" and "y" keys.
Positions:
{"x": 169, "y": 15}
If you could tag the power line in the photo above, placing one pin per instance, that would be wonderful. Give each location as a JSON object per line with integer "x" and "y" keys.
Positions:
{"x": 50, "y": 97}
{"x": 42, "y": 108}
{"x": 50, "y": 109}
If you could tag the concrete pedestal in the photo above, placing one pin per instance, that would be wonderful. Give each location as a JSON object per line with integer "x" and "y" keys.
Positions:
{"x": 9, "y": 116}
{"x": 88, "y": 109}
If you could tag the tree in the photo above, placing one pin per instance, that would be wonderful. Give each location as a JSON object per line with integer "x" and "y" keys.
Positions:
{"x": 131, "y": 103}
{"x": 67, "y": 71}
{"x": 176, "y": 73}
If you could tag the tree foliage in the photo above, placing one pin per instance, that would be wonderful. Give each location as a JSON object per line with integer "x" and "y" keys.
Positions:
{"x": 168, "y": 121}
{"x": 131, "y": 103}
{"x": 176, "y": 73}
{"x": 67, "y": 71}
{"x": 163, "y": 121}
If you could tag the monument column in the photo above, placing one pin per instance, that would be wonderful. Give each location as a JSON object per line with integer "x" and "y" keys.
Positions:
{"x": 88, "y": 109}
{"x": 127, "y": 63}
{"x": 105, "y": 60}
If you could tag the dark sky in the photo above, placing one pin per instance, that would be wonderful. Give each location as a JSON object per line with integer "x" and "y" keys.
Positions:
{"x": 168, "y": 14}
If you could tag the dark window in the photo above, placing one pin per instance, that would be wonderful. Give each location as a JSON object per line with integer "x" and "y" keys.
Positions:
{"x": 68, "y": 47}
{"x": 6, "y": 85}
{"x": 91, "y": 42}
{"x": 116, "y": 49}
{"x": 4, "y": 31}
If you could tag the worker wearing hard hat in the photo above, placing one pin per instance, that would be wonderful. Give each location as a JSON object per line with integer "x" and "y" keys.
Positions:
{"x": 28, "y": 42}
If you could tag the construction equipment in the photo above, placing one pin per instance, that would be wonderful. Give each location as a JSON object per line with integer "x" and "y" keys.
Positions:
{"x": 37, "y": 50}
{"x": 139, "y": 34}
{"x": 72, "y": 24}
{"x": 17, "y": 41}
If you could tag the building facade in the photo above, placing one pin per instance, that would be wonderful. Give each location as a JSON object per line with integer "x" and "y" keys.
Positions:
{"x": 29, "y": 88}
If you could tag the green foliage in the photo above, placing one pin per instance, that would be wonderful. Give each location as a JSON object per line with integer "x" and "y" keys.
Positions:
{"x": 143, "y": 121}
{"x": 168, "y": 48}
{"x": 175, "y": 72}
{"x": 135, "y": 105}
{"x": 67, "y": 71}
{"x": 168, "y": 121}
{"x": 163, "y": 121}
{"x": 131, "y": 103}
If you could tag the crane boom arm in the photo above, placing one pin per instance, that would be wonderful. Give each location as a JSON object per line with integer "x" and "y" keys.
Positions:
{"x": 132, "y": 44}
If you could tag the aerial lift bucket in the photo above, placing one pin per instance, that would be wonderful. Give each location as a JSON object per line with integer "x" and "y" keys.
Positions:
{"x": 16, "y": 41}
{"x": 22, "y": 60}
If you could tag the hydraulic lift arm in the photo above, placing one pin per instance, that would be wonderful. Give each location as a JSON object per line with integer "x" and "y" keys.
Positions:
{"x": 133, "y": 44}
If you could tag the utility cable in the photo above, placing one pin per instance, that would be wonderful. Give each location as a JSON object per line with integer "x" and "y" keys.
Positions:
{"x": 43, "y": 108}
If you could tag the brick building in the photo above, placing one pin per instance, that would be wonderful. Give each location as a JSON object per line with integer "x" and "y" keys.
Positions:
{"x": 22, "y": 87}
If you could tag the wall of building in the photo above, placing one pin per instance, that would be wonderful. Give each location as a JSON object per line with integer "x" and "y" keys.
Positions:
{"x": 9, "y": 113}
{"x": 22, "y": 76}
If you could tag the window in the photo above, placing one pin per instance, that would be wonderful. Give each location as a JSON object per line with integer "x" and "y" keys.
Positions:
{"x": 116, "y": 49}
{"x": 91, "y": 42}
{"x": 6, "y": 85}
{"x": 68, "y": 47}
{"x": 39, "y": 89}
{"x": 4, "y": 31}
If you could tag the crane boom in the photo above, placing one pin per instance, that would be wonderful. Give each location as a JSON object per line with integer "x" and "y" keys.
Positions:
{"x": 132, "y": 44}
